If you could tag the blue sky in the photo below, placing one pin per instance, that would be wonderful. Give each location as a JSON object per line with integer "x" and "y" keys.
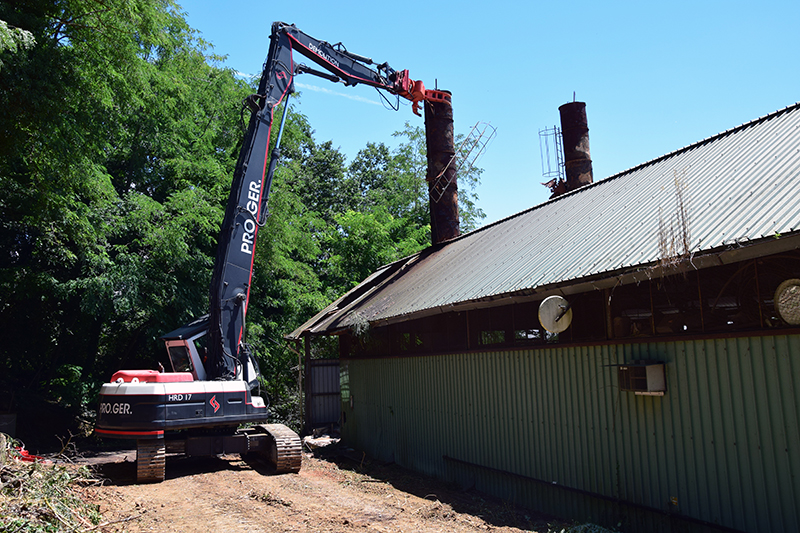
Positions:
{"x": 655, "y": 76}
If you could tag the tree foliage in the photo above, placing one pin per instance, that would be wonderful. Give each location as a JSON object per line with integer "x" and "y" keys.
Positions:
{"x": 12, "y": 39}
{"x": 119, "y": 132}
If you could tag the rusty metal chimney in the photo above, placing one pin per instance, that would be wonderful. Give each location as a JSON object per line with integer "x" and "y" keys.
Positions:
{"x": 442, "y": 186}
{"x": 575, "y": 135}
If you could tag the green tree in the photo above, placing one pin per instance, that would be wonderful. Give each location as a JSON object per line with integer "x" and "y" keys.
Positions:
{"x": 13, "y": 39}
{"x": 383, "y": 212}
{"x": 390, "y": 180}
{"x": 116, "y": 136}
{"x": 411, "y": 159}
{"x": 361, "y": 242}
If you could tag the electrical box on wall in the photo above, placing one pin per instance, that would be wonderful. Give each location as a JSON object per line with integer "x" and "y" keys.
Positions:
{"x": 644, "y": 378}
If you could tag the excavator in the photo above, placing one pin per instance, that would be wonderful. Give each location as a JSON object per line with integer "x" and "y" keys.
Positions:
{"x": 210, "y": 403}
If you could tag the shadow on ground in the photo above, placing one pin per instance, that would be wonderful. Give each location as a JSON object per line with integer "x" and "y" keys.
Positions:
{"x": 120, "y": 468}
{"x": 494, "y": 511}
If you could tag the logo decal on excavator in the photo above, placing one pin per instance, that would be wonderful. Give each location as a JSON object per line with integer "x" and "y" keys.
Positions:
{"x": 214, "y": 403}
{"x": 323, "y": 55}
{"x": 249, "y": 234}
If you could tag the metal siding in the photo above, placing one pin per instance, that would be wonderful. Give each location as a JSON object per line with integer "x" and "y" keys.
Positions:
{"x": 723, "y": 440}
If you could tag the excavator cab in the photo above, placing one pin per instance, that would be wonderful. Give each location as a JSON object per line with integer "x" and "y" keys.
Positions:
{"x": 186, "y": 348}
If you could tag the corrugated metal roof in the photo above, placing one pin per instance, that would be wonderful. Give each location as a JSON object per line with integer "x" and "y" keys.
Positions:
{"x": 740, "y": 186}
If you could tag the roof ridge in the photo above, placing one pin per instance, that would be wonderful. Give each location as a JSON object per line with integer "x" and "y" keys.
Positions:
{"x": 668, "y": 155}
{"x": 712, "y": 138}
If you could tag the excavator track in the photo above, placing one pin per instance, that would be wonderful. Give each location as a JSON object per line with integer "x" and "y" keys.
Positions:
{"x": 286, "y": 451}
{"x": 150, "y": 459}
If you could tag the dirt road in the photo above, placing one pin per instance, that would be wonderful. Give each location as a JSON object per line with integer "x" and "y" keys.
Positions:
{"x": 336, "y": 494}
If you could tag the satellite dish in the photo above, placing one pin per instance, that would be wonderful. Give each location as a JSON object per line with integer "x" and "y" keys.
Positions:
{"x": 787, "y": 301}
{"x": 555, "y": 314}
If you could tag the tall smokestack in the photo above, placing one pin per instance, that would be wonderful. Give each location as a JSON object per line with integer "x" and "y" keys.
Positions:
{"x": 442, "y": 187}
{"x": 575, "y": 134}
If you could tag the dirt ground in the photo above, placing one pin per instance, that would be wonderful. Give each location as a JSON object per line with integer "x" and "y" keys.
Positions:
{"x": 334, "y": 492}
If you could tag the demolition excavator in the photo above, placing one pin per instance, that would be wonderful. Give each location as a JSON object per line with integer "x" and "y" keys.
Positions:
{"x": 210, "y": 403}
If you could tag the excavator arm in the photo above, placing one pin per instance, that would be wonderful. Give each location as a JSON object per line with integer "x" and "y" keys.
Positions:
{"x": 352, "y": 69}
{"x": 247, "y": 205}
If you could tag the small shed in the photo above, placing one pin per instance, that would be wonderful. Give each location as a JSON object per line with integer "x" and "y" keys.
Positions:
{"x": 669, "y": 401}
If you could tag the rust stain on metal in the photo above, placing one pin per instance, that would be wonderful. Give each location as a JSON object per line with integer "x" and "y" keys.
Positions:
{"x": 575, "y": 134}
{"x": 442, "y": 185}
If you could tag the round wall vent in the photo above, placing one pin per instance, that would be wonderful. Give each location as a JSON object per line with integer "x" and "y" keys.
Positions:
{"x": 787, "y": 301}
{"x": 555, "y": 314}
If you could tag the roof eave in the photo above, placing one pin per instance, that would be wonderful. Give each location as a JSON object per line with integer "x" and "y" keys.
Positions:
{"x": 330, "y": 321}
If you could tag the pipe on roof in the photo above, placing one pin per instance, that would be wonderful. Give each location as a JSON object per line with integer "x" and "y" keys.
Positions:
{"x": 575, "y": 136}
{"x": 442, "y": 185}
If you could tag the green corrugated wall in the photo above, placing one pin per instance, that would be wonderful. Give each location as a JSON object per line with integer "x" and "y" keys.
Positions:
{"x": 549, "y": 429}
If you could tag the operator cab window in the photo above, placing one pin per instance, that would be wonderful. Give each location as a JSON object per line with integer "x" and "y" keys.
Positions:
{"x": 179, "y": 355}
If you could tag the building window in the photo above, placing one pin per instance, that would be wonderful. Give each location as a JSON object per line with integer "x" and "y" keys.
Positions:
{"x": 493, "y": 337}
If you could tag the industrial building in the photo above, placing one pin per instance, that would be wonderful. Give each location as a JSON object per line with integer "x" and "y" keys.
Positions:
{"x": 627, "y": 352}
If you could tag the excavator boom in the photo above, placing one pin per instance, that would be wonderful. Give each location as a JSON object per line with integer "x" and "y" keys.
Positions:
{"x": 247, "y": 205}
{"x": 196, "y": 408}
